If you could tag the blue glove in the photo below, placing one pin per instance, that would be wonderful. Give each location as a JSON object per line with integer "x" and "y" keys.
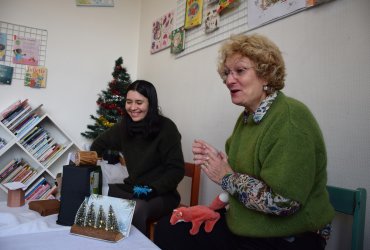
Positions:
{"x": 143, "y": 192}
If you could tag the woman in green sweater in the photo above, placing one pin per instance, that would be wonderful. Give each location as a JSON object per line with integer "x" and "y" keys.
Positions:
{"x": 151, "y": 145}
{"x": 274, "y": 168}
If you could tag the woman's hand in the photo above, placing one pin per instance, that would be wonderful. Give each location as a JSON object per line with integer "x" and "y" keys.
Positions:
{"x": 213, "y": 162}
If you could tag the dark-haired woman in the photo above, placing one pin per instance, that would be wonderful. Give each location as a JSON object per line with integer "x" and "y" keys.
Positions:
{"x": 151, "y": 145}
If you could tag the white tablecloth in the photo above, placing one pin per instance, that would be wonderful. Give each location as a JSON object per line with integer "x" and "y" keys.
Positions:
{"x": 22, "y": 228}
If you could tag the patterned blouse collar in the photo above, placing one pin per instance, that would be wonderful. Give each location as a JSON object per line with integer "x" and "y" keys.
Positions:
{"x": 261, "y": 110}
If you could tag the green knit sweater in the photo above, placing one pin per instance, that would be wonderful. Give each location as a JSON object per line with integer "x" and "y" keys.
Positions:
{"x": 286, "y": 150}
{"x": 157, "y": 161}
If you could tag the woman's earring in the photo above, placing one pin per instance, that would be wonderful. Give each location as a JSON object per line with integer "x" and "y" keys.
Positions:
{"x": 265, "y": 87}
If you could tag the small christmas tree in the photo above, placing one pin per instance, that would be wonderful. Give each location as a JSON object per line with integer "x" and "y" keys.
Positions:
{"x": 112, "y": 223}
{"x": 110, "y": 102}
{"x": 101, "y": 222}
{"x": 91, "y": 216}
{"x": 81, "y": 213}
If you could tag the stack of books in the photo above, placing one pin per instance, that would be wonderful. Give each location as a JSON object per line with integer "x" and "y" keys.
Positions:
{"x": 17, "y": 171}
{"x": 41, "y": 145}
{"x": 41, "y": 190}
{"x": 20, "y": 117}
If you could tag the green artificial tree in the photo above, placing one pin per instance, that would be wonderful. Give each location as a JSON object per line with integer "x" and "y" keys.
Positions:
{"x": 101, "y": 220}
{"x": 81, "y": 213}
{"x": 90, "y": 216}
{"x": 110, "y": 102}
{"x": 112, "y": 223}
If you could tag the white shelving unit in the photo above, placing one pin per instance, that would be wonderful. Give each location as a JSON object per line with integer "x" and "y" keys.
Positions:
{"x": 15, "y": 150}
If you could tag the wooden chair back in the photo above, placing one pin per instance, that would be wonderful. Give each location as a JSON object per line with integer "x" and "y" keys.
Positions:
{"x": 193, "y": 172}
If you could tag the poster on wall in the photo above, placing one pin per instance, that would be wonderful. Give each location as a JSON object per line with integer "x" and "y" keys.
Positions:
{"x": 261, "y": 11}
{"x": 177, "y": 40}
{"x": 6, "y": 74}
{"x": 2, "y": 46}
{"x": 95, "y": 3}
{"x": 35, "y": 76}
{"x": 193, "y": 13}
{"x": 26, "y": 51}
{"x": 161, "y": 32}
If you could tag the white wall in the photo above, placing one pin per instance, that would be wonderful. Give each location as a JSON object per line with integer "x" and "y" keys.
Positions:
{"x": 327, "y": 57}
{"x": 83, "y": 44}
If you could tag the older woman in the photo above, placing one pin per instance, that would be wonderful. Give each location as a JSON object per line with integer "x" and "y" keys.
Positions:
{"x": 274, "y": 168}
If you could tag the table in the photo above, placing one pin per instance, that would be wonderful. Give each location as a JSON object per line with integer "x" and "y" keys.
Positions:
{"x": 24, "y": 229}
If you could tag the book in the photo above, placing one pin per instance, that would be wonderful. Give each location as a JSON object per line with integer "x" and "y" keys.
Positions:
{"x": 39, "y": 190}
{"x": 35, "y": 77}
{"x": 44, "y": 188}
{"x": 26, "y": 123}
{"x": 50, "y": 153}
{"x": 98, "y": 214}
{"x": 29, "y": 176}
{"x": 3, "y": 38}
{"x": 37, "y": 183}
{"x": 13, "y": 115}
{"x": 28, "y": 126}
{"x": 4, "y": 114}
{"x": 31, "y": 136}
{"x": 193, "y": 13}
{"x": 6, "y": 74}
{"x": 37, "y": 140}
{"x": 9, "y": 169}
{"x": 25, "y": 120}
{"x": 6, "y": 167}
{"x": 15, "y": 121}
{"x": 49, "y": 193}
{"x": 26, "y": 51}
{"x": 54, "y": 156}
{"x": 13, "y": 174}
{"x": 36, "y": 151}
{"x": 177, "y": 40}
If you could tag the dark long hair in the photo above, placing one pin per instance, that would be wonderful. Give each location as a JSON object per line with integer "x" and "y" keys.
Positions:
{"x": 151, "y": 123}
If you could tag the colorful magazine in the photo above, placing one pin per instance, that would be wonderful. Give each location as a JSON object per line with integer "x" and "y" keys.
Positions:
{"x": 193, "y": 13}
{"x": 26, "y": 51}
{"x": 35, "y": 77}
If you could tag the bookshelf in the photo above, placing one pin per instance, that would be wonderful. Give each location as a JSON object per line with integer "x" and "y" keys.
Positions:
{"x": 35, "y": 149}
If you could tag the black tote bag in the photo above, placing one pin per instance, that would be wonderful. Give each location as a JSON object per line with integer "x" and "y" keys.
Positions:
{"x": 75, "y": 187}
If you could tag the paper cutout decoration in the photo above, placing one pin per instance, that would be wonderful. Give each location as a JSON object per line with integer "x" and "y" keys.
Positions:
{"x": 161, "y": 31}
{"x": 193, "y": 13}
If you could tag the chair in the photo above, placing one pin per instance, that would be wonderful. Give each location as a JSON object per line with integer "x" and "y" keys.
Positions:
{"x": 351, "y": 202}
{"x": 193, "y": 172}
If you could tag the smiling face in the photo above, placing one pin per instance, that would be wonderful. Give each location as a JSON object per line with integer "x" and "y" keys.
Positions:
{"x": 137, "y": 105}
{"x": 246, "y": 88}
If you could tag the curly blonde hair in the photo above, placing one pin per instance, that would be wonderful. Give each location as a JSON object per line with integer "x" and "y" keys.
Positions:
{"x": 266, "y": 56}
